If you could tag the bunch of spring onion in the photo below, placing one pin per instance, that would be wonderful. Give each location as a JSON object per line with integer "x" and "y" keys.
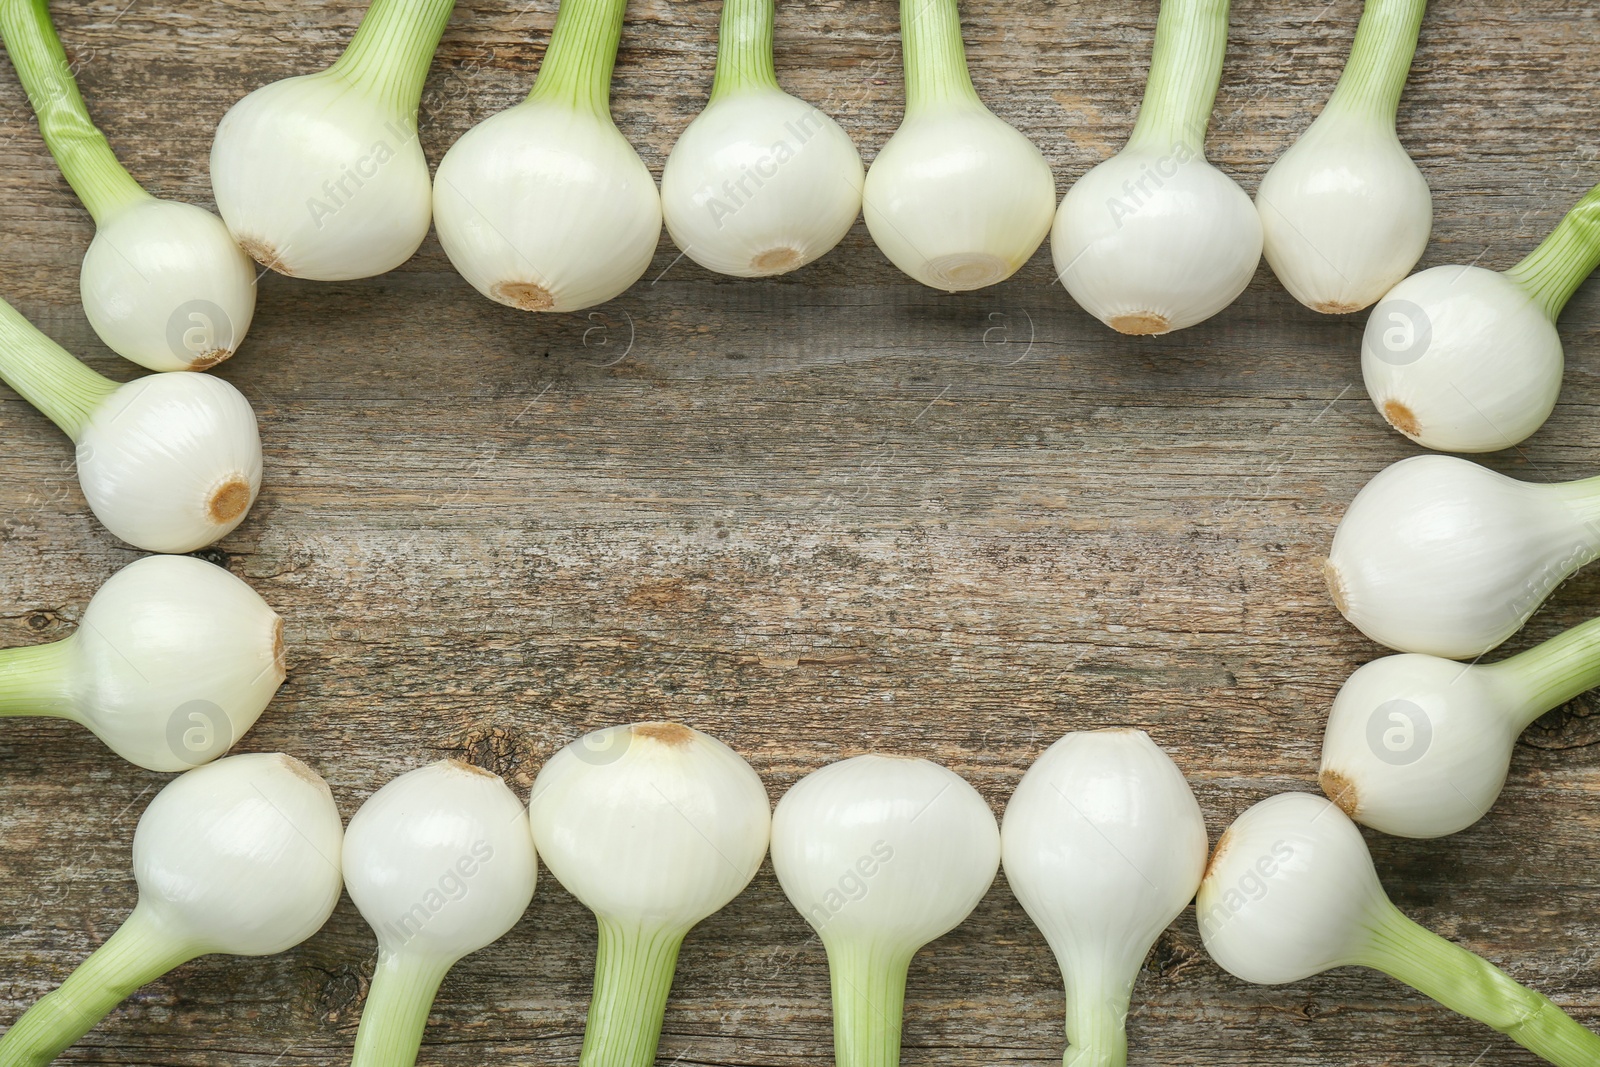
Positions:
{"x": 440, "y": 864}
{"x": 1344, "y": 212}
{"x": 321, "y": 176}
{"x": 653, "y": 827}
{"x": 173, "y": 660}
{"x": 881, "y": 855}
{"x": 760, "y": 183}
{"x": 546, "y": 206}
{"x": 1419, "y": 746}
{"x": 163, "y": 282}
{"x": 239, "y": 857}
{"x": 168, "y": 462}
{"x": 1104, "y": 844}
{"x": 1466, "y": 359}
{"x": 1439, "y": 555}
{"x": 1155, "y": 238}
{"x": 1291, "y": 892}
{"x": 957, "y": 198}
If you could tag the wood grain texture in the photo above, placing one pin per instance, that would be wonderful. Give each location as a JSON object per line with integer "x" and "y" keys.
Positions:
{"x": 816, "y": 515}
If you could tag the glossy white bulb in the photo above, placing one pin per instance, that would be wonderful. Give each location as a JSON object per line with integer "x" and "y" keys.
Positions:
{"x": 1155, "y": 239}
{"x": 1462, "y": 359}
{"x": 165, "y": 285}
{"x": 1345, "y": 213}
{"x": 1442, "y": 556}
{"x": 319, "y": 178}
{"x": 545, "y": 207}
{"x": 760, "y": 183}
{"x": 171, "y": 462}
{"x": 173, "y": 661}
{"x": 440, "y": 862}
{"x": 958, "y": 199}
{"x": 240, "y": 856}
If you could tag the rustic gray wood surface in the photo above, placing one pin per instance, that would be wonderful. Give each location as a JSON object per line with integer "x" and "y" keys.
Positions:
{"x": 815, "y": 516}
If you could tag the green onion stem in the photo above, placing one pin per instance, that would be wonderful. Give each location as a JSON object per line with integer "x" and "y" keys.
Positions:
{"x": 1550, "y": 674}
{"x": 583, "y": 49}
{"x": 632, "y": 976}
{"x": 139, "y": 952}
{"x": 869, "y": 994}
{"x": 1553, "y": 271}
{"x": 1380, "y": 59}
{"x": 396, "y": 1011}
{"x": 1097, "y": 1015}
{"x": 47, "y": 376}
{"x": 33, "y": 680}
{"x": 935, "y": 58}
{"x": 392, "y": 50}
{"x": 1185, "y": 70}
{"x": 80, "y": 149}
{"x": 744, "y": 48}
{"x": 1469, "y": 984}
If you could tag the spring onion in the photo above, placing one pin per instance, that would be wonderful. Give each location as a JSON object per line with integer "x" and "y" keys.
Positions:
{"x": 440, "y": 864}
{"x": 163, "y": 283}
{"x": 881, "y": 855}
{"x": 653, "y": 827}
{"x": 1155, "y": 238}
{"x": 239, "y": 857}
{"x": 168, "y": 462}
{"x": 173, "y": 661}
{"x": 546, "y": 206}
{"x": 321, "y": 176}
{"x": 1104, "y": 844}
{"x": 1345, "y": 212}
{"x": 1439, "y": 555}
{"x": 957, "y": 199}
{"x": 1466, "y": 359}
{"x": 761, "y": 182}
{"x": 1419, "y": 746}
{"x": 1291, "y": 892}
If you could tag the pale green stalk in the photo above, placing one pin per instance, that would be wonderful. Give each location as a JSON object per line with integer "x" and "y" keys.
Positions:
{"x": 47, "y": 376}
{"x": 1185, "y": 70}
{"x": 1553, "y": 271}
{"x": 632, "y": 976}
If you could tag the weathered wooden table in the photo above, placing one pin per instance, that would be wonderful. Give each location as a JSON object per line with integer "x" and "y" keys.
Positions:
{"x": 817, "y": 515}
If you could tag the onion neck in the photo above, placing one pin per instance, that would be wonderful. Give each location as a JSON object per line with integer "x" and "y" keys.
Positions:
{"x": 632, "y": 976}
{"x": 139, "y": 952}
{"x": 1471, "y": 985}
{"x": 1550, "y": 674}
{"x": 1185, "y": 70}
{"x": 583, "y": 48}
{"x": 34, "y": 680}
{"x": 46, "y": 375}
{"x": 869, "y": 994}
{"x": 396, "y": 1011}
{"x": 935, "y": 58}
{"x": 1553, "y": 271}
{"x": 1097, "y": 1013}
{"x": 744, "y": 48}
{"x": 392, "y": 50}
{"x": 79, "y": 148}
{"x": 1380, "y": 60}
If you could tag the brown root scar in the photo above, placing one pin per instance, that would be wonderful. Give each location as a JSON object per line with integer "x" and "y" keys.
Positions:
{"x": 280, "y": 660}
{"x": 1216, "y": 853}
{"x": 1336, "y": 307}
{"x": 524, "y": 295}
{"x": 1141, "y": 324}
{"x": 300, "y": 770}
{"x": 671, "y": 734}
{"x": 1341, "y": 790}
{"x": 207, "y": 360}
{"x": 266, "y": 254}
{"x": 228, "y": 501}
{"x": 470, "y": 768}
{"x": 777, "y": 261}
{"x": 1336, "y": 589}
{"x": 1401, "y": 418}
